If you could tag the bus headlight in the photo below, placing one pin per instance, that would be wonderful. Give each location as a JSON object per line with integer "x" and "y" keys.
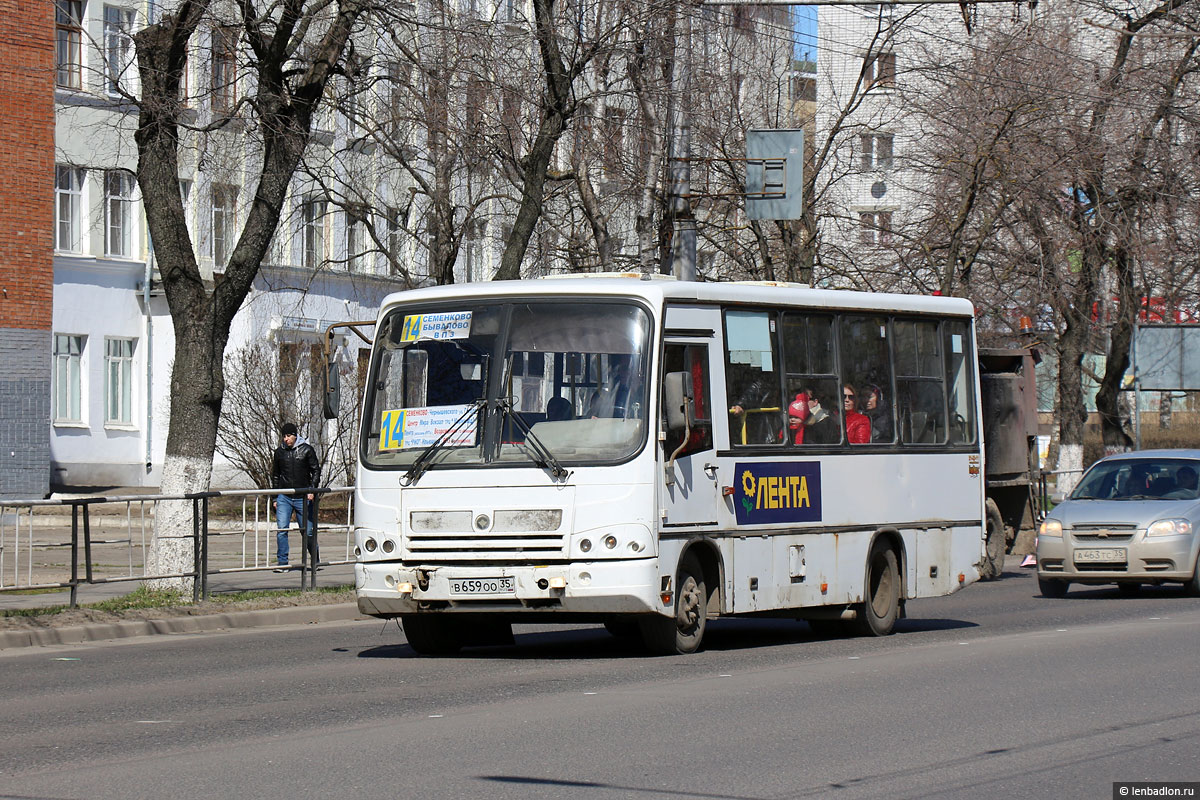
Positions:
{"x": 388, "y": 545}
{"x": 1051, "y": 529}
{"x": 370, "y": 544}
{"x": 610, "y": 541}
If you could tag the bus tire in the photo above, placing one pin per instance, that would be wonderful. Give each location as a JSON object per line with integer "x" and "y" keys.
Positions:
{"x": 431, "y": 635}
{"x": 1053, "y": 587}
{"x": 992, "y": 566}
{"x": 680, "y": 634}
{"x": 880, "y": 608}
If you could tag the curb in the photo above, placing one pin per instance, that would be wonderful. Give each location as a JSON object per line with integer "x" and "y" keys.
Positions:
{"x": 103, "y": 631}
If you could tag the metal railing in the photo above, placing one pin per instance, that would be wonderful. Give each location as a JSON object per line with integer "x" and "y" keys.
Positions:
{"x": 114, "y": 534}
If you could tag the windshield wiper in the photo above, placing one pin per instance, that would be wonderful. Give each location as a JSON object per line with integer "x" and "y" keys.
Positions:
{"x": 538, "y": 452}
{"x": 424, "y": 461}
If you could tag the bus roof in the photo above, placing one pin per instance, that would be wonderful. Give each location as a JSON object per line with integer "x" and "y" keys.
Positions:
{"x": 659, "y": 289}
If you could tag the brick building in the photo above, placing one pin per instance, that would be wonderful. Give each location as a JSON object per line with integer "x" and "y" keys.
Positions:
{"x": 26, "y": 245}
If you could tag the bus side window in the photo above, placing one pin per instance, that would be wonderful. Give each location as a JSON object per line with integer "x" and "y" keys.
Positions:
{"x": 867, "y": 374}
{"x": 813, "y": 399}
{"x": 752, "y": 379}
{"x": 920, "y": 386}
{"x": 692, "y": 359}
{"x": 960, "y": 386}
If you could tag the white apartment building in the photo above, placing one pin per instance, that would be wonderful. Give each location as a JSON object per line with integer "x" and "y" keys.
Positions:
{"x": 346, "y": 238}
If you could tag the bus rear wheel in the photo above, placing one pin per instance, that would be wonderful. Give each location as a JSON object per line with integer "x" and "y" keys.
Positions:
{"x": 681, "y": 634}
{"x": 881, "y": 602}
{"x": 432, "y": 635}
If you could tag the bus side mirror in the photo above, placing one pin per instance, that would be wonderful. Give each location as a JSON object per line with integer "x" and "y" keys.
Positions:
{"x": 332, "y": 401}
{"x": 677, "y": 397}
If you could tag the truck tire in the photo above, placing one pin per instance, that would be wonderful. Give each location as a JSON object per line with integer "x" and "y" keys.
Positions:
{"x": 992, "y": 565}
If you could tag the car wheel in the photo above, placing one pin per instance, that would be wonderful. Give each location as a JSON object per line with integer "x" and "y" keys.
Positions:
{"x": 1053, "y": 587}
{"x": 1193, "y": 586}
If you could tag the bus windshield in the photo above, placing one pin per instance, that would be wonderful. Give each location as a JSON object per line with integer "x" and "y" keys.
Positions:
{"x": 482, "y": 378}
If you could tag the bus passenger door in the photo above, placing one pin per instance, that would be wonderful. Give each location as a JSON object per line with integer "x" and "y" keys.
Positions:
{"x": 689, "y": 487}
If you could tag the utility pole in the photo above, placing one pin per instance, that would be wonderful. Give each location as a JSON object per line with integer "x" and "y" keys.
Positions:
{"x": 683, "y": 240}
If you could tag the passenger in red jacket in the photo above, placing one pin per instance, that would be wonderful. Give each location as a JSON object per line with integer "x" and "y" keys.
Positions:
{"x": 858, "y": 425}
{"x": 797, "y": 414}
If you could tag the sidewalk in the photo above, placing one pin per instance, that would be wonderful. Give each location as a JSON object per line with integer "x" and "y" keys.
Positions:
{"x": 203, "y": 623}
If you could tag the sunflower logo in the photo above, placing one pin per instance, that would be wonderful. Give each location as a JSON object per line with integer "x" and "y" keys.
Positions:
{"x": 747, "y": 490}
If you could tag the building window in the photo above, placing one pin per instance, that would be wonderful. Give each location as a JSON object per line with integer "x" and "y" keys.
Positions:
{"x": 224, "y": 69}
{"x": 68, "y": 207}
{"x": 68, "y": 377}
{"x": 880, "y": 71}
{"x": 118, "y": 213}
{"x": 118, "y": 47}
{"x": 313, "y": 214}
{"x": 875, "y": 227}
{"x": 358, "y": 249}
{"x": 224, "y": 223}
{"x": 614, "y": 141}
{"x": 69, "y": 43}
{"x": 876, "y": 151}
{"x": 118, "y": 381}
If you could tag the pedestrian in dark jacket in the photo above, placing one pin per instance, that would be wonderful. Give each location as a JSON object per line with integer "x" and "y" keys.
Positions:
{"x": 294, "y": 466}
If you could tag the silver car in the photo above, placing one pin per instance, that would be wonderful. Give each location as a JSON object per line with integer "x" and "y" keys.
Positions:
{"x": 1132, "y": 519}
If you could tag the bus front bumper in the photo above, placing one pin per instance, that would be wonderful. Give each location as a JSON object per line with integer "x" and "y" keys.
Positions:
{"x": 598, "y": 587}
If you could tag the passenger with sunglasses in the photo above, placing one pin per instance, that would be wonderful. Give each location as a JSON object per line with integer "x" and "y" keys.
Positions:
{"x": 858, "y": 425}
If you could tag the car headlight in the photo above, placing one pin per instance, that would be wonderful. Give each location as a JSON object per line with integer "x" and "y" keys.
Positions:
{"x": 1169, "y": 527}
{"x": 1050, "y": 528}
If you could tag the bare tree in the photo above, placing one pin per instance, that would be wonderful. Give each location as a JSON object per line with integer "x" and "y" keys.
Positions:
{"x": 258, "y": 402}
{"x": 291, "y": 50}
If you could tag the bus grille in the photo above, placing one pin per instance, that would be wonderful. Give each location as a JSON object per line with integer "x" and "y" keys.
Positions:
{"x": 512, "y": 536}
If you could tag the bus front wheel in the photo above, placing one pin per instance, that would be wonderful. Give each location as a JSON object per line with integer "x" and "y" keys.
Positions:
{"x": 431, "y": 635}
{"x": 668, "y": 636}
{"x": 881, "y": 599}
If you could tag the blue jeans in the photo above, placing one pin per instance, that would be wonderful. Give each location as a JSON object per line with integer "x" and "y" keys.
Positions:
{"x": 287, "y": 506}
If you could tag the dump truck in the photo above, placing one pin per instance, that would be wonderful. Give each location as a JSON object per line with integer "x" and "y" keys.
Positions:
{"x": 1011, "y": 466}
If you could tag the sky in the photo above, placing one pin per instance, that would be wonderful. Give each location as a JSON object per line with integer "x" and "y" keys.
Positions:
{"x": 806, "y": 33}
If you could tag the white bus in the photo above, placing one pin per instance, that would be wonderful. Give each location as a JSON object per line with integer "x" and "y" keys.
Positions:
{"x": 652, "y": 454}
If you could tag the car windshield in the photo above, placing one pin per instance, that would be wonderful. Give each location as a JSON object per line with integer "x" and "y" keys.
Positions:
{"x": 1140, "y": 479}
{"x": 573, "y": 373}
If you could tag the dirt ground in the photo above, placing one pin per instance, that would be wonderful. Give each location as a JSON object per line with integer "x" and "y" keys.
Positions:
{"x": 83, "y": 616}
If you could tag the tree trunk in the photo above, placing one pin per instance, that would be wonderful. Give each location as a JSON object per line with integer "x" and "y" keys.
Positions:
{"x": 1112, "y": 428}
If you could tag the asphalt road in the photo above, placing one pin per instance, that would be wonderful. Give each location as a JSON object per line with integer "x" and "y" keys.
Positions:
{"x": 991, "y": 693}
